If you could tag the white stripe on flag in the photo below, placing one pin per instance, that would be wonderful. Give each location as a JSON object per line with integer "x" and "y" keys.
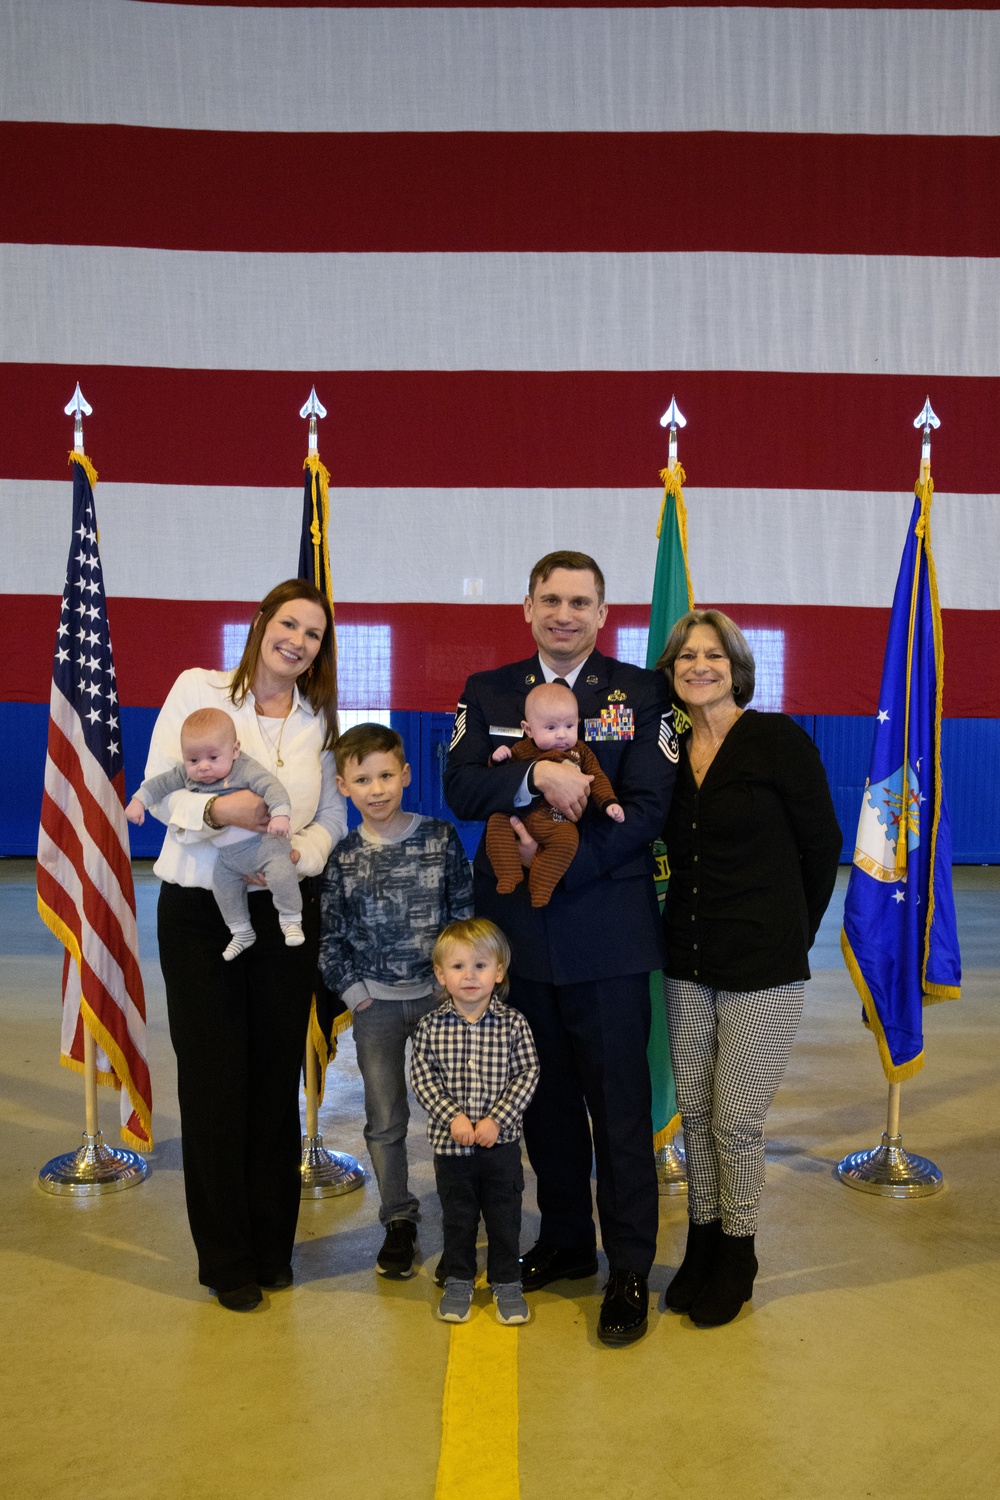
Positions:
{"x": 685, "y": 68}
{"x": 818, "y": 547}
{"x": 500, "y": 311}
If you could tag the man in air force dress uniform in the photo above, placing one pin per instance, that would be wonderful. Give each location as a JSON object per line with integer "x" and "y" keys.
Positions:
{"x": 581, "y": 964}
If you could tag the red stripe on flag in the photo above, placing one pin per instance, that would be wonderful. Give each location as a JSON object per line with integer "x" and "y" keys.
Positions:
{"x": 508, "y": 429}
{"x": 95, "y": 913}
{"x": 495, "y": 191}
{"x": 436, "y": 646}
{"x": 65, "y": 757}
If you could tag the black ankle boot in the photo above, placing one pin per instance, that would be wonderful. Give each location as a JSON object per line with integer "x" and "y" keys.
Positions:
{"x": 699, "y": 1260}
{"x": 729, "y": 1285}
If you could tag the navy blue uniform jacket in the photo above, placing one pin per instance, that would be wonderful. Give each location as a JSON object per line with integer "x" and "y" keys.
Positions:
{"x": 603, "y": 918}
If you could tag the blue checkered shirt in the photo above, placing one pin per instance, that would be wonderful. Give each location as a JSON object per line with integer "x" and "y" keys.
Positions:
{"x": 488, "y": 1068}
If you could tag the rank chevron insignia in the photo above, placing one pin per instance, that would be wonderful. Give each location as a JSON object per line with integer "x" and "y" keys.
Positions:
{"x": 667, "y": 738}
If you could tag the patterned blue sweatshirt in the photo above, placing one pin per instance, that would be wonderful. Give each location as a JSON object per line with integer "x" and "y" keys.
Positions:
{"x": 383, "y": 904}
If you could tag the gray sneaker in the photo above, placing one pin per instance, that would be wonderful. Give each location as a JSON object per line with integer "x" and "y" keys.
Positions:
{"x": 456, "y": 1301}
{"x": 511, "y": 1306}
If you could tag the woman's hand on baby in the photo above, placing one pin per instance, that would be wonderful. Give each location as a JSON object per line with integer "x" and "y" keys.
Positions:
{"x": 241, "y": 810}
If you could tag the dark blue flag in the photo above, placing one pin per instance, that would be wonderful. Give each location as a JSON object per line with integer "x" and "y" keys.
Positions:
{"x": 329, "y": 1013}
{"x": 314, "y": 541}
{"x": 900, "y": 940}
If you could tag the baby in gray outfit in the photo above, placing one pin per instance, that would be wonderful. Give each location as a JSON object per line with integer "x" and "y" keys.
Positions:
{"x": 214, "y": 765}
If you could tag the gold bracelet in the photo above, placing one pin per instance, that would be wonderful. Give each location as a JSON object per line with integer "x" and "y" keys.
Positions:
{"x": 207, "y": 814}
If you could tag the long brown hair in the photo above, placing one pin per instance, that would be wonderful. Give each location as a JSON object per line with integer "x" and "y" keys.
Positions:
{"x": 318, "y": 683}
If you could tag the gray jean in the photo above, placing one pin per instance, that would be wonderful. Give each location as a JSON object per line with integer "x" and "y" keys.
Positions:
{"x": 380, "y": 1036}
{"x": 264, "y": 851}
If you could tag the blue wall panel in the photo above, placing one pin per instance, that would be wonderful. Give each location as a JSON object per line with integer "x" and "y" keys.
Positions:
{"x": 25, "y": 727}
{"x": 970, "y": 755}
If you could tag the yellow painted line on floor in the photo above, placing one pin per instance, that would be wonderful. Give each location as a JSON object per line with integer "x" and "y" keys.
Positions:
{"x": 479, "y": 1418}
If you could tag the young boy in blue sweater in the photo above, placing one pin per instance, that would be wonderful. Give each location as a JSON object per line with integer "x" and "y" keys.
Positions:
{"x": 388, "y": 889}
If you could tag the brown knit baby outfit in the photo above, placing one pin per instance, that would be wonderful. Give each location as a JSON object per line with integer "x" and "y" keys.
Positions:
{"x": 557, "y": 837}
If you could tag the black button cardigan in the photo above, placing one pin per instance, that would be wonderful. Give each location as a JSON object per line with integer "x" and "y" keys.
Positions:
{"x": 753, "y": 858}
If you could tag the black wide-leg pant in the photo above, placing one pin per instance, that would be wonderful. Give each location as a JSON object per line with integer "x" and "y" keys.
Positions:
{"x": 238, "y": 1030}
{"x": 593, "y": 1103}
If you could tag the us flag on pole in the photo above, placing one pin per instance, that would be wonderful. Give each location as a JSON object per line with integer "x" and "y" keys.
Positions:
{"x": 85, "y": 891}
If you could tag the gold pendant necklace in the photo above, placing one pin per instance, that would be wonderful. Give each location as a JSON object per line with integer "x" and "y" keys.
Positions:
{"x": 273, "y": 745}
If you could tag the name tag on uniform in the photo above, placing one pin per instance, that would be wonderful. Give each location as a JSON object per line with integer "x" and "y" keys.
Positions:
{"x": 505, "y": 733}
{"x": 615, "y": 723}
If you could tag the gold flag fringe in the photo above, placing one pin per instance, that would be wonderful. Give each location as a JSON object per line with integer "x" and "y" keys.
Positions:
{"x": 122, "y": 1075}
{"x": 663, "y": 1137}
{"x": 85, "y": 465}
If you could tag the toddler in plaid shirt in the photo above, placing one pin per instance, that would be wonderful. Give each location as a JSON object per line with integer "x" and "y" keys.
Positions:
{"x": 474, "y": 1069}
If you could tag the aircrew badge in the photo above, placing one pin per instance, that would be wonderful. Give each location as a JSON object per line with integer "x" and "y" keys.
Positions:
{"x": 617, "y": 696}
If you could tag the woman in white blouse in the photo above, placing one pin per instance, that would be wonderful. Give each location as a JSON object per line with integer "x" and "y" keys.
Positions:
{"x": 239, "y": 1029}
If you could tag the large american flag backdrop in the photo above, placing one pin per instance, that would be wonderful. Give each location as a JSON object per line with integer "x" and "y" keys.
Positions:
{"x": 498, "y": 240}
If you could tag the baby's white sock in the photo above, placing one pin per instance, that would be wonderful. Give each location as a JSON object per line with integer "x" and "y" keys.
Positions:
{"x": 243, "y": 937}
{"x": 292, "y": 929}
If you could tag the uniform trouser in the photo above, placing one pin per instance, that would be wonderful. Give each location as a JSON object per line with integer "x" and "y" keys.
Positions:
{"x": 594, "y": 1077}
{"x": 488, "y": 1182}
{"x": 239, "y": 1032}
{"x": 264, "y": 852}
{"x": 729, "y": 1050}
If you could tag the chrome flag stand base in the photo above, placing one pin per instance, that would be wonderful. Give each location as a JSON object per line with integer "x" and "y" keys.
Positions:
{"x": 890, "y": 1171}
{"x": 671, "y": 1169}
{"x": 95, "y": 1168}
{"x": 326, "y": 1174}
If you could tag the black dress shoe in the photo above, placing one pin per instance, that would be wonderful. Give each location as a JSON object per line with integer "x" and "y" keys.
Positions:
{"x": 241, "y": 1298}
{"x": 277, "y": 1281}
{"x": 544, "y": 1263}
{"x": 624, "y": 1309}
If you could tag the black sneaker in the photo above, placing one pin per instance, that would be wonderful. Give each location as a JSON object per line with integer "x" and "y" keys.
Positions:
{"x": 396, "y": 1255}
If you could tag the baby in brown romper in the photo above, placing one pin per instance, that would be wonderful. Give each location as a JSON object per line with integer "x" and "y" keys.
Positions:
{"x": 551, "y": 728}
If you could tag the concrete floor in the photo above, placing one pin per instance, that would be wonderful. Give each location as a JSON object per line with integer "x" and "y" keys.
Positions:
{"x": 867, "y": 1366}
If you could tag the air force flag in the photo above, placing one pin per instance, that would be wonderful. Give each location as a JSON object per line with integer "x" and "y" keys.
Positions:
{"x": 899, "y": 939}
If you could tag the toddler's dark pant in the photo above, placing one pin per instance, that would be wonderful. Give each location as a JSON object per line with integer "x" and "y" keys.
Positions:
{"x": 489, "y": 1182}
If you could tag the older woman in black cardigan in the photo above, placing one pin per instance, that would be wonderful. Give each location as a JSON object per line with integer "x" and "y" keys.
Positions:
{"x": 753, "y": 846}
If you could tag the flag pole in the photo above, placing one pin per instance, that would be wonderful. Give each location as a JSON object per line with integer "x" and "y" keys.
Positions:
{"x": 671, "y": 1166}
{"x": 94, "y": 1168}
{"x": 888, "y": 1170}
{"x": 325, "y": 1174}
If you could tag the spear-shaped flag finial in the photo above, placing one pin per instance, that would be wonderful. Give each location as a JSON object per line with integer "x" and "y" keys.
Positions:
{"x": 672, "y": 418}
{"x": 927, "y": 419}
{"x": 78, "y": 408}
{"x": 313, "y": 408}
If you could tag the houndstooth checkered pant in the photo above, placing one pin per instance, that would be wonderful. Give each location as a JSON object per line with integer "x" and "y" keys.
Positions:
{"x": 729, "y": 1051}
